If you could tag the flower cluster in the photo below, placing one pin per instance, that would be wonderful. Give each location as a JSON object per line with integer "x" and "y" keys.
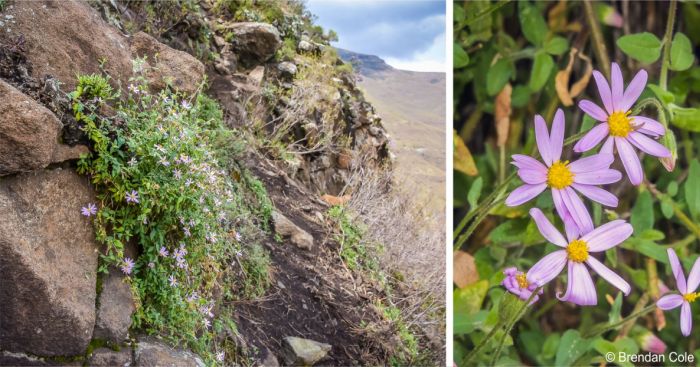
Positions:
{"x": 569, "y": 181}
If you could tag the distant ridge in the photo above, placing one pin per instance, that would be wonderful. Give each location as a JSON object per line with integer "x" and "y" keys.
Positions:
{"x": 364, "y": 64}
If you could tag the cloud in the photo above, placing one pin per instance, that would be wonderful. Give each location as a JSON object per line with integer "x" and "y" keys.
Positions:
{"x": 404, "y": 33}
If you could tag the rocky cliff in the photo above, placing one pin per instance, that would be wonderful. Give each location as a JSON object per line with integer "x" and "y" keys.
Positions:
{"x": 79, "y": 288}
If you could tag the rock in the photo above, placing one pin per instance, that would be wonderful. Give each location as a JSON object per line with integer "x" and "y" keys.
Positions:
{"x": 28, "y": 132}
{"x": 335, "y": 200}
{"x": 268, "y": 359}
{"x": 67, "y": 38}
{"x": 288, "y": 69}
{"x": 306, "y": 352}
{"x": 285, "y": 227}
{"x": 64, "y": 153}
{"x": 345, "y": 159}
{"x": 110, "y": 358}
{"x": 116, "y": 307}
{"x": 254, "y": 43}
{"x": 167, "y": 66}
{"x": 48, "y": 264}
{"x": 255, "y": 77}
{"x": 306, "y": 46}
{"x": 151, "y": 352}
{"x": 21, "y": 359}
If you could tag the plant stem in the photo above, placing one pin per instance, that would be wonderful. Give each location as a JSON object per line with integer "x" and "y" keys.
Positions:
{"x": 510, "y": 325}
{"x": 663, "y": 78}
{"x": 612, "y": 326}
{"x": 685, "y": 220}
{"x": 599, "y": 48}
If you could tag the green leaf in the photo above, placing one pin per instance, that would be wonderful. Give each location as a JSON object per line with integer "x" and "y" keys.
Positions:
{"x": 663, "y": 95}
{"x": 541, "y": 69}
{"x": 646, "y": 247}
{"x": 667, "y": 207}
{"x": 643, "y": 212}
{"x": 474, "y": 193}
{"x": 692, "y": 189}
{"x": 685, "y": 118}
{"x": 615, "y": 311}
{"x": 468, "y": 299}
{"x": 497, "y": 76}
{"x": 549, "y": 348}
{"x": 644, "y": 47}
{"x": 682, "y": 56}
{"x": 532, "y": 23}
{"x": 571, "y": 347}
{"x": 672, "y": 188}
{"x": 466, "y": 323}
{"x": 520, "y": 96}
{"x": 587, "y": 123}
{"x": 460, "y": 57}
{"x": 556, "y": 45}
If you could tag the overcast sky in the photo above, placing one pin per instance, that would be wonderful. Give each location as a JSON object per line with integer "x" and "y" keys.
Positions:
{"x": 407, "y": 34}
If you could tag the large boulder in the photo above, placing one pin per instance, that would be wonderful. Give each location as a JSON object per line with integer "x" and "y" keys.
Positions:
{"x": 48, "y": 264}
{"x": 167, "y": 66}
{"x": 151, "y": 352}
{"x": 28, "y": 132}
{"x": 254, "y": 43}
{"x": 66, "y": 38}
{"x": 303, "y": 352}
{"x": 116, "y": 305}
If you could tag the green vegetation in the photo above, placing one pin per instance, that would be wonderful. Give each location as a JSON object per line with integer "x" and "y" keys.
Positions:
{"x": 163, "y": 176}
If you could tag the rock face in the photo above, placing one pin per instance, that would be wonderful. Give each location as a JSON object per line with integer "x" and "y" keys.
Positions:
{"x": 71, "y": 39}
{"x": 48, "y": 263}
{"x": 28, "y": 132}
{"x": 167, "y": 66}
{"x": 255, "y": 43}
{"x": 153, "y": 353}
{"x": 110, "y": 358}
{"x": 305, "y": 352}
{"x": 115, "y": 310}
{"x": 287, "y": 228}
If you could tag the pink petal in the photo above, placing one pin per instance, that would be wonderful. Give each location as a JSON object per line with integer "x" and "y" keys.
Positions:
{"x": 694, "y": 277}
{"x": 556, "y": 138}
{"x": 670, "y": 301}
{"x": 592, "y": 138}
{"x": 601, "y": 177}
{"x": 604, "y": 91}
{"x": 647, "y": 145}
{"x": 524, "y": 193}
{"x": 677, "y": 270}
{"x": 532, "y": 177}
{"x": 649, "y": 126}
{"x": 617, "y": 86}
{"x": 634, "y": 89}
{"x": 524, "y": 161}
{"x": 597, "y": 194}
{"x": 686, "y": 319}
{"x": 580, "y": 289}
{"x": 593, "y": 110}
{"x": 542, "y": 137}
{"x": 630, "y": 161}
{"x": 591, "y": 163}
{"x": 609, "y": 275}
{"x": 571, "y": 229}
{"x": 546, "y": 228}
{"x": 547, "y": 268}
{"x": 607, "y": 147}
{"x": 608, "y": 235}
{"x": 578, "y": 210}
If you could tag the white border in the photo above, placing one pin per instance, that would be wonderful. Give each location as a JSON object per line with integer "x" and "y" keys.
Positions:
{"x": 449, "y": 95}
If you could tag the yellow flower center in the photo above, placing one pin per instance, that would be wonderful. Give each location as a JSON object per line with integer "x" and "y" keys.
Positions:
{"x": 522, "y": 280}
{"x": 577, "y": 251}
{"x": 620, "y": 124}
{"x": 691, "y": 297}
{"x": 559, "y": 176}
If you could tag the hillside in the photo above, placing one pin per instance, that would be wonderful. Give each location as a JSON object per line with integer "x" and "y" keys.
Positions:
{"x": 199, "y": 183}
{"x": 412, "y": 108}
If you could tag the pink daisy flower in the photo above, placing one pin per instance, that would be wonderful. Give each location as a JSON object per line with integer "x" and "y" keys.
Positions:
{"x": 622, "y": 130}
{"x": 563, "y": 178}
{"x": 576, "y": 252}
{"x": 89, "y": 210}
{"x": 516, "y": 283}
{"x": 687, "y": 290}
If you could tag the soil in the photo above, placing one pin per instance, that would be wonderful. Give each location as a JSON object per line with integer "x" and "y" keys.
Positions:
{"x": 313, "y": 295}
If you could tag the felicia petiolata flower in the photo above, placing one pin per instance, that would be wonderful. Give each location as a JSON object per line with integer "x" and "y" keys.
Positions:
{"x": 127, "y": 265}
{"x": 132, "y": 197}
{"x": 563, "y": 178}
{"x": 576, "y": 251}
{"x": 89, "y": 210}
{"x": 687, "y": 290}
{"x": 622, "y": 130}
{"x": 516, "y": 283}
